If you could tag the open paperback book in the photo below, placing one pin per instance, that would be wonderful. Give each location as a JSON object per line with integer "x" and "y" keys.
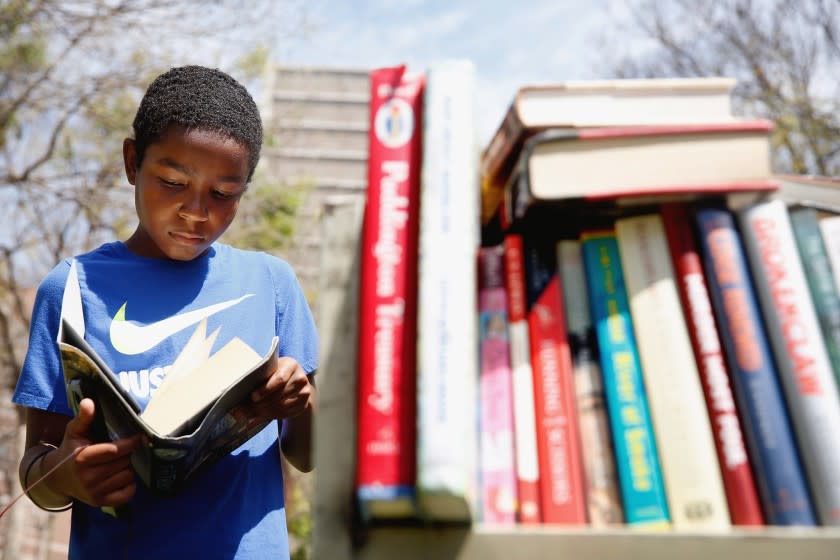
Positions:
{"x": 186, "y": 425}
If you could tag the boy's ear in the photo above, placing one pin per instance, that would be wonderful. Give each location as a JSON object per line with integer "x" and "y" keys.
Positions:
{"x": 130, "y": 159}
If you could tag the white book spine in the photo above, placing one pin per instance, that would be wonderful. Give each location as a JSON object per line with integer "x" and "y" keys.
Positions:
{"x": 524, "y": 418}
{"x": 799, "y": 349}
{"x": 684, "y": 440}
{"x": 447, "y": 315}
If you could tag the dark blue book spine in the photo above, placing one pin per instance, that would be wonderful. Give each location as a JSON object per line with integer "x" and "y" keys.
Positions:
{"x": 772, "y": 447}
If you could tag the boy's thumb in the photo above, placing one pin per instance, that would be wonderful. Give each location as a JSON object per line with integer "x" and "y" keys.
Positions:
{"x": 80, "y": 425}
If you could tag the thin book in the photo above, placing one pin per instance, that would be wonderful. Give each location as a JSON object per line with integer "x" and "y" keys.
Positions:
{"x": 196, "y": 415}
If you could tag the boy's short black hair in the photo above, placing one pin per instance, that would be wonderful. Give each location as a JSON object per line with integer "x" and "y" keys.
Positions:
{"x": 203, "y": 98}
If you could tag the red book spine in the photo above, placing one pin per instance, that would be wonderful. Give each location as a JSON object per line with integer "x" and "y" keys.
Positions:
{"x": 738, "y": 482}
{"x": 558, "y": 449}
{"x": 527, "y": 466}
{"x": 388, "y": 285}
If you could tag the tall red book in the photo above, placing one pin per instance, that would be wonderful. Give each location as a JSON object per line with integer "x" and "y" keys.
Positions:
{"x": 562, "y": 496}
{"x": 738, "y": 482}
{"x": 386, "y": 412}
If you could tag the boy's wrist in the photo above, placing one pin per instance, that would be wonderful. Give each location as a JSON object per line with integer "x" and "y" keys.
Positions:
{"x": 37, "y": 477}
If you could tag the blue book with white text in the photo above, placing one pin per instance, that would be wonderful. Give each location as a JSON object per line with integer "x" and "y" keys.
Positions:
{"x": 637, "y": 461}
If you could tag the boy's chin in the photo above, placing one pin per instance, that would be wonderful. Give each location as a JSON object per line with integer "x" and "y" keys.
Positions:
{"x": 186, "y": 254}
{"x": 179, "y": 250}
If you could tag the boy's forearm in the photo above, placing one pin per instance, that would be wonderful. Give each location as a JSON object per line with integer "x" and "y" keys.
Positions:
{"x": 296, "y": 439}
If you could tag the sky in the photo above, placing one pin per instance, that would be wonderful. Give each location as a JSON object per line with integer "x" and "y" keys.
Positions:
{"x": 511, "y": 43}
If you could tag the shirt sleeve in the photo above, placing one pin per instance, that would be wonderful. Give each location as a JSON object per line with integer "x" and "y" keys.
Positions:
{"x": 41, "y": 381}
{"x": 294, "y": 324}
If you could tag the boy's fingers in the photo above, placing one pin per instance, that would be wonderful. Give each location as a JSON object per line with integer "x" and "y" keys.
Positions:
{"x": 80, "y": 425}
{"x": 285, "y": 368}
{"x": 119, "y": 496}
{"x": 105, "y": 452}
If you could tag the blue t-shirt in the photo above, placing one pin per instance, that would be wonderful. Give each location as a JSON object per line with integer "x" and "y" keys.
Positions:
{"x": 234, "y": 509}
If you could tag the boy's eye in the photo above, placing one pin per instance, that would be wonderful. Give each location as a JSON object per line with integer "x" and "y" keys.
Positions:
{"x": 171, "y": 184}
{"x": 224, "y": 195}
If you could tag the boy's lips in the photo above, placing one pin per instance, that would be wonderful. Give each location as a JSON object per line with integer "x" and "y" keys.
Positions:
{"x": 187, "y": 237}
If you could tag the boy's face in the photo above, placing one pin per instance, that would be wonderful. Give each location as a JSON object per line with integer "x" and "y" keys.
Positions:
{"x": 187, "y": 191}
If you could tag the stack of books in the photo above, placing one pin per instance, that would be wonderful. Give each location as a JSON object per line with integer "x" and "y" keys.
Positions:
{"x": 617, "y": 315}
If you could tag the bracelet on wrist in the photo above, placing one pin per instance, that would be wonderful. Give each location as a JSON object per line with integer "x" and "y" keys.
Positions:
{"x": 40, "y": 457}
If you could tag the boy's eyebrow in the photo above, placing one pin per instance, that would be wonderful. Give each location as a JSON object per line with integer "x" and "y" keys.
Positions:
{"x": 175, "y": 165}
{"x": 187, "y": 171}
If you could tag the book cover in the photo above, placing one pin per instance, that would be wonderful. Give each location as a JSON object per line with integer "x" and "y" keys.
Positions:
{"x": 776, "y": 466}
{"x": 524, "y": 421}
{"x": 830, "y": 231}
{"x": 194, "y": 424}
{"x": 496, "y": 427}
{"x": 736, "y": 469}
{"x": 596, "y": 103}
{"x": 558, "y": 447}
{"x": 603, "y": 499}
{"x": 821, "y": 285}
{"x": 687, "y": 456}
{"x": 447, "y": 375}
{"x": 637, "y": 458}
{"x": 822, "y": 193}
{"x": 797, "y": 345}
{"x": 597, "y": 164}
{"x": 387, "y": 391}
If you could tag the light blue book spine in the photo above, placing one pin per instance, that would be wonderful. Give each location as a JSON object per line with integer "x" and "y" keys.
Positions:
{"x": 637, "y": 461}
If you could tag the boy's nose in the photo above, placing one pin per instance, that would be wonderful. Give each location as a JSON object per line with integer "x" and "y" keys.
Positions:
{"x": 193, "y": 208}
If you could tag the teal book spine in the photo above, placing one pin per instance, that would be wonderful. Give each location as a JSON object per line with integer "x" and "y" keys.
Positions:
{"x": 637, "y": 461}
{"x": 820, "y": 278}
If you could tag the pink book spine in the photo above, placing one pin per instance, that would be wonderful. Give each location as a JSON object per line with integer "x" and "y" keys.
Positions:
{"x": 498, "y": 473}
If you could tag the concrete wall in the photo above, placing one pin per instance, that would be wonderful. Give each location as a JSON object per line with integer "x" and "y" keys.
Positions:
{"x": 318, "y": 121}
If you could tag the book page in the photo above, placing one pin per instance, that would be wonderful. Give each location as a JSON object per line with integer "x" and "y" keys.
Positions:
{"x": 195, "y": 352}
{"x": 71, "y": 303}
{"x": 190, "y": 394}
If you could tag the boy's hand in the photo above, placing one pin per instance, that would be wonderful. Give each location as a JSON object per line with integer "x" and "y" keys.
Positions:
{"x": 99, "y": 474}
{"x": 286, "y": 394}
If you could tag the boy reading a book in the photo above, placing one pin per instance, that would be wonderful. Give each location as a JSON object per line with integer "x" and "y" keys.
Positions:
{"x": 197, "y": 139}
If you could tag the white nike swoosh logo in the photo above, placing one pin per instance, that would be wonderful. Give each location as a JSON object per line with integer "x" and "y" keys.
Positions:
{"x": 128, "y": 338}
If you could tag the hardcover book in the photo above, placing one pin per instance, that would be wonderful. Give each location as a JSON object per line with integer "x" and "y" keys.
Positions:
{"x": 447, "y": 375}
{"x": 823, "y": 289}
{"x": 597, "y": 103}
{"x": 387, "y": 391}
{"x": 830, "y": 230}
{"x": 193, "y": 418}
{"x": 772, "y": 448}
{"x": 657, "y": 162}
{"x": 524, "y": 421}
{"x": 603, "y": 499}
{"x": 735, "y": 465}
{"x": 814, "y": 191}
{"x": 681, "y": 423}
{"x": 637, "y": 458}
{"x": 797, "y": 344}
{"x": 495, "y": 422}
{"x": 558, "y": 446}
